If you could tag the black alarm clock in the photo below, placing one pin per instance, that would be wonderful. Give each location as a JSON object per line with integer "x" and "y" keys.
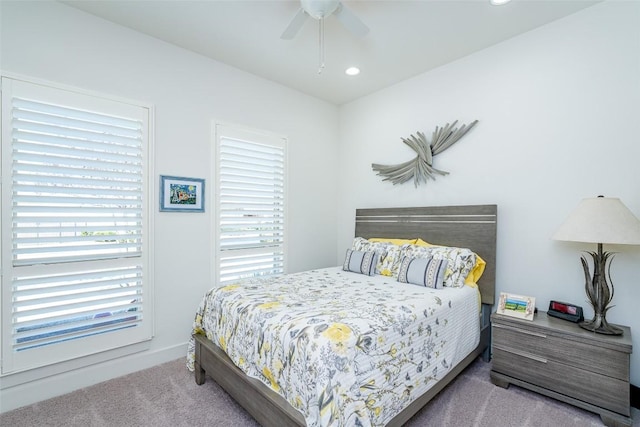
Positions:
{"x": 566, "y": 311}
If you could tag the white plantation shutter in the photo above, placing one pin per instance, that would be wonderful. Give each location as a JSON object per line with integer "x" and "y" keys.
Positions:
{"x": 75, "y": 222}
{"x": 53, "y": 309}
{"x": 76, "y": 175}
{"x": 250, "y": 204}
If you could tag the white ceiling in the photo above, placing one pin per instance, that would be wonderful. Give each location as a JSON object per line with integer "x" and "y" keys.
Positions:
{"x": 406, "y": 38}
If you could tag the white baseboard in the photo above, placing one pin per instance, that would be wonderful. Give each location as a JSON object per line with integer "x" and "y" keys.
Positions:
{"x": 27, "y": 393}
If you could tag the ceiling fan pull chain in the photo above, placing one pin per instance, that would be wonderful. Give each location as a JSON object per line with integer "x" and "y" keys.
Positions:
{"x": 321, "y": 47}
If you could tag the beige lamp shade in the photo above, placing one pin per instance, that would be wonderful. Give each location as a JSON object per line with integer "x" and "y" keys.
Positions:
{"x": 600, "y": 220}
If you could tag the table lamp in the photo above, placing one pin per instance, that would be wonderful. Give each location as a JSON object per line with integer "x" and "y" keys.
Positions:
{"x": 600, "y": 220}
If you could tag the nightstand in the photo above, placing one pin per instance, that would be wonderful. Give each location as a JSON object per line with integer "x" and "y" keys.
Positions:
{"x": 559, "y": 359}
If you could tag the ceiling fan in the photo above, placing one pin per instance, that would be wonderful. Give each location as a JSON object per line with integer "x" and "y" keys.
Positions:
{"x": 319, "y": 10}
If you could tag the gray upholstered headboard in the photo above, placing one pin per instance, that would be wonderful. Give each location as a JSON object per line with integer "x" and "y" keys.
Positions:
{"x": 472, "y": 227}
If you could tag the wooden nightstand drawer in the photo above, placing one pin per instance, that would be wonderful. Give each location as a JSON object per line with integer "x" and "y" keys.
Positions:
{"x": 561, "y": 360}
{"x": 547, "y": 345}
{"x": 600, "y": 390}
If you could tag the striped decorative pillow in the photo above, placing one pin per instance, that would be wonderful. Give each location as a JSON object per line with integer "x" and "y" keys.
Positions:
{"x": 388, "y": 255}
{"x": 428, "y": 272}
{"x": 460, "y": 261}
{"x": 360, "y": 262}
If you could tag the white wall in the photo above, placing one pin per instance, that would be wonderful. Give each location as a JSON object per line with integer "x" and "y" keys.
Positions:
{"x": 51, "y": 41}
{"x": 559, "y": 120}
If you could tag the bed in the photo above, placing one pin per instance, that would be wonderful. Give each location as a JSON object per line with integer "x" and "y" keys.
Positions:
{"x": 407, "y": 388}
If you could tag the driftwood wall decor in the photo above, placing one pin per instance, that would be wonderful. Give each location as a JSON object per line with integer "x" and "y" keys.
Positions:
{"x": 421, "y": 168}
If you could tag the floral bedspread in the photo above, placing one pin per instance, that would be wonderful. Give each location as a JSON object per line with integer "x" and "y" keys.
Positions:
{"x": 344, "y": 349}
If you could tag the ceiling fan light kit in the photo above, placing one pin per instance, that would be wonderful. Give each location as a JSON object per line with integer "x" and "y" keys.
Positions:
{"x": 319, "y": 10}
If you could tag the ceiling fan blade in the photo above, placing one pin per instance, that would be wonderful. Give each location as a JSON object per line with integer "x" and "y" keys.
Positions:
{"x": 295, "y": 25}
{"x": 350, "y": 21}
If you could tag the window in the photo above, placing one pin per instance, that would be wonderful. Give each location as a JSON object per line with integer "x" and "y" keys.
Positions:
{"x": 75, "y": 224}
{"x": 250, "y": 203}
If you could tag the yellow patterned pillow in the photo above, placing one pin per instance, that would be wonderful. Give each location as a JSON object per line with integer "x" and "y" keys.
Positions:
{"x": 421, "y": 242}
{"x": 388, "y": 255}
{"x": 475, "y": 273}
{"x": 398, "y": 242}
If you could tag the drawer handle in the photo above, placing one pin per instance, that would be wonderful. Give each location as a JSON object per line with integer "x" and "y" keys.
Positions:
{"x": 521, "y": 353}
{"x": 522, "y": 331}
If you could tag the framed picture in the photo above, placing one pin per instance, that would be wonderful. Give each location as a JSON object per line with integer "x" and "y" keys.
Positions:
{"x": 520, "y": 306}
{"x": 179, "y": 194}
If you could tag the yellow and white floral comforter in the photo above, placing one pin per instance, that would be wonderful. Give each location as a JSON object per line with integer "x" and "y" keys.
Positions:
{"x": 343, "y": 348}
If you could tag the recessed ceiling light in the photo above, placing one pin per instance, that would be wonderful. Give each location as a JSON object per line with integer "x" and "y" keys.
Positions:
{"x": 352, "y": 71}
{"x": 499, "y": 2}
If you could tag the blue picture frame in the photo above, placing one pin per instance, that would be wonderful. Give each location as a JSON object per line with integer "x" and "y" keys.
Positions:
{"x": 180, "y": 194}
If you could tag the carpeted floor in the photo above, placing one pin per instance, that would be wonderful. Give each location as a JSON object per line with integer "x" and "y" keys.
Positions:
{"x": 166, "y": 395}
